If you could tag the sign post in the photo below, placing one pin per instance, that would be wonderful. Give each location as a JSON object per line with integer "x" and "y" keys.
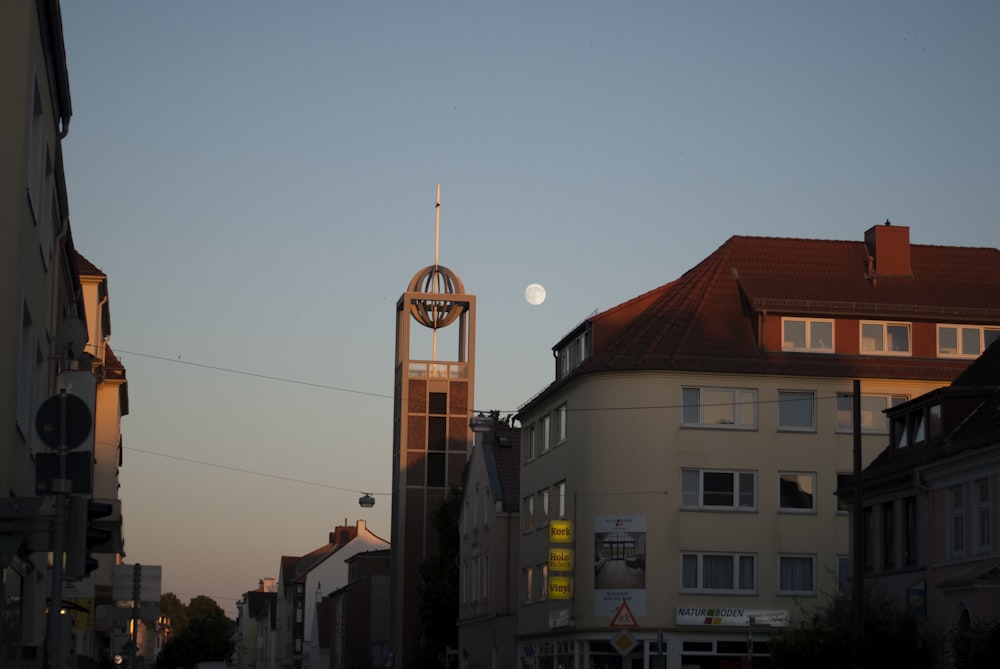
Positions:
{"x": 63, "y": 423}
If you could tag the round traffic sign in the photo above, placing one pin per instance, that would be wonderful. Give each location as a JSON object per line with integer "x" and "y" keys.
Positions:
{"x": 63, "y": 421}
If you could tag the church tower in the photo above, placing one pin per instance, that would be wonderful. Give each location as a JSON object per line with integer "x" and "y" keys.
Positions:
{"x": 433, "y": 401}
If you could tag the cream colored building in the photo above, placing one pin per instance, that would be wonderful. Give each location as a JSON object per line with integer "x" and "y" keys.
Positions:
{"x": 693, "y": 438}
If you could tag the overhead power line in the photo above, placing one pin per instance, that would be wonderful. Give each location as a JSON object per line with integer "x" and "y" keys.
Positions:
{"x": 250, "y": 471}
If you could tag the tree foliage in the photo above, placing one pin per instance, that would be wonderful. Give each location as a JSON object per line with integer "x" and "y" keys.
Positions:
{"x": 891, "y": 637}
{"x": 205, "y": 635}
{"x": 976, "y": 645}
{"x": 437, "y": 591}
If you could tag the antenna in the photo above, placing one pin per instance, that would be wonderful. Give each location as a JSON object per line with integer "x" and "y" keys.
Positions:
{"x": 436, "y": 280}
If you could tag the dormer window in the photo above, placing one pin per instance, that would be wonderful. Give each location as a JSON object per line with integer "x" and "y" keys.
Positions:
{"x": 964, "y": 341}
{"x": 885, "y": 338}
{"x": 813, "y": 335}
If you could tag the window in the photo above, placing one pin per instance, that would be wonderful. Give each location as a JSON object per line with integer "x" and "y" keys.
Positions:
{"x": 528, "y": 585}
{"x": 844, "y": 568}
{"x": 807, "y": 334}
{"x": 529, "y": 444}
{"x": 873, "y": 418}
{"x": 910, "y": 531}
{"x": 711, "y": 489}
{"x": 983, "y": 538}
{"x": 485, "y": 578}
{"x": 36, "y": 154}
{"x": 796, "y": 410}
{"x": 843, "y": 480}
{"x": 718, "y": 572}
{"x": 543, "y": 581}
{"x": 868, "y": 518}
{"x": 797, "y": 492}
{"x": 487, "y": 508}
{"x": 546, "y": 429}
{"x": 528, "y": 512}
{"x": 965, "y": 341}
{"x": 561, "y": 424}
{"x": 543, "y": 508}
{"x": 888, "y": 535}
{"x": 560, "y": 500}
{"x": 720, "y": 407}
{"x": 885, "y": 338}
{"x": 796, "y": 574}
{"x": 957, "y": 525}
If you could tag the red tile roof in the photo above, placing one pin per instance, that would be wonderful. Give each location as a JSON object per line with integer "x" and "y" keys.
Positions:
{"x": 706, "y": 320}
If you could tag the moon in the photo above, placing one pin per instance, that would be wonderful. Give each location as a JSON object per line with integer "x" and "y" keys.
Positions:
{"x": 534, "y": 294}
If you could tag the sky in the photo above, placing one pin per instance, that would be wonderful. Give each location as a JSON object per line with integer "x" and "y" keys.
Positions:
{"x": 258, "y": 181}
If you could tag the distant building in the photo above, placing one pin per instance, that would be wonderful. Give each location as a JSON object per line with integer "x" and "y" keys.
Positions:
{"x": 693, "y": 437}
{"x": 489, "y": 529}
{"x": 357, "y": 624}
{"x": 302, "y": 584}
{"x": 931, "y": 500}
{"x": 251, "y": 638}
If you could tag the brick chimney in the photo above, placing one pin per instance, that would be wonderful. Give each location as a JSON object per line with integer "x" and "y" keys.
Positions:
{"x": 888, "y": 249}
{"x": 343, "y": 534}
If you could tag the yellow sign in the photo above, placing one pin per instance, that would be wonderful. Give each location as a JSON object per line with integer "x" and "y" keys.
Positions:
{"x": 561, "y": 532}
{"x": 560, "y": 559}
{"x": 560, "y": 587}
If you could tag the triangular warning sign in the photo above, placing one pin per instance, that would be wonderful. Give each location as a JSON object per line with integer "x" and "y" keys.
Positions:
{"x": 623, "y": 617}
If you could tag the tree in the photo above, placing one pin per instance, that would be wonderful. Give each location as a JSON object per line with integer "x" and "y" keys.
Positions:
{"x": 206, "y": 635}
{"x": 892, "y": 637}
{"x": 437, "y": 592}
{"x": 172, "y": 607}
{"x": 975, "y": 644}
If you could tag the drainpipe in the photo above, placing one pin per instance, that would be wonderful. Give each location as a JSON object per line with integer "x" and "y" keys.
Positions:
{"x": 56, "y": 258}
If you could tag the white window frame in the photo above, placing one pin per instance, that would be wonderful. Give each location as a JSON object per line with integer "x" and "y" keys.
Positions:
{"x": 37, "y": 142}
{"x": 984, "y": 519}
{"x": 886, "y": 349}
{"x": 543, "y": 508}
{"x": 788, "y": 558}
{"x": 743, "y": 404}
{"x": 487, "y": 508}
{"x": 528, "y": 512}
{"x": 986, "y": 336}
{"x": 785, "y": 397}
{"x": 847, "y": 399}
{"x": 811, "y": 476}
{"x": 484, "y": 589}
{"x": 543, "y": 581}
{"x": 845, "y": 565}
{"x": 546, "y": 429}
{"x": 529, "y": 444}
{"x": 528, "y": 585}
{"x": 560, "y": 424}
{"x": 956, "y": 521}
{"x": 560, "y": 499}
{"x": 698, "y": 558}
{"x": 810, "y": 345}
{"x": 694, "y": 499}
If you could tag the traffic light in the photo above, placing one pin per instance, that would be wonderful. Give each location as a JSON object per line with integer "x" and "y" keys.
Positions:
{"x": 85, "y": 533}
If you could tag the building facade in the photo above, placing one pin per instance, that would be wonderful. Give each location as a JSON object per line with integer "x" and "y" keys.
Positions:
{"x": 488, "y": 546}
{"x": 358, "y": 621}
{"x": 302, "y": 584}
{"x": 931, "y": 500}
{"x": 678, "y": 477}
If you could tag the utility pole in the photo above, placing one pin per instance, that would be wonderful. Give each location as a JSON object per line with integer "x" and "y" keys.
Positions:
{"x": 63, "y": 422}
{"x": 858, "y": 539}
